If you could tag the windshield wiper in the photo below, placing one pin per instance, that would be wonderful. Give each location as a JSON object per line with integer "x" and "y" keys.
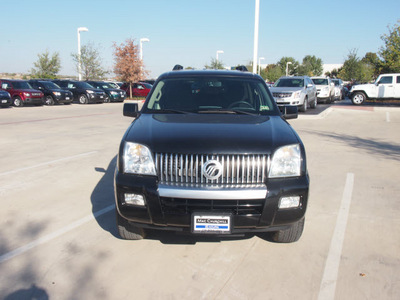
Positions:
{"x": 226, "y": 111}
{"x": 175, "y": 111}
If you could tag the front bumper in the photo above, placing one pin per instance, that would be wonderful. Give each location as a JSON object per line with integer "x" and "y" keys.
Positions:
{"x": 166, "y": 209}
{"x": 37, "y": 101}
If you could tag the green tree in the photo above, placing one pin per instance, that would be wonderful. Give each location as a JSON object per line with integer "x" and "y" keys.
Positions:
{"x": 215, "y": 64}
{"x": 292, "y": 68}
{"x": 374, "y": 61}
{"x": 91, "y": 67}
{"x": 46, "y": 66}
{"x": 390, "y": 52}
{"x": 311, "y": 66}
{"x": 128, "y": 66}
{"x": 355, "y": 70}
{"x": 273, "y": 72}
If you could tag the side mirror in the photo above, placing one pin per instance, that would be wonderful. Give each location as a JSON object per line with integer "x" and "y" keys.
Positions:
{"x": 289, "y": 111}
{"x": 131, "y": 110}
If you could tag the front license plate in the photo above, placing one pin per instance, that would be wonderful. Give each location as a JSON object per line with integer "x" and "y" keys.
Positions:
{"x": 66, "y": 98}
{"x": 101, "y": 97}
{"x": 3, "y": 101}
{"x": 211, "y": 223}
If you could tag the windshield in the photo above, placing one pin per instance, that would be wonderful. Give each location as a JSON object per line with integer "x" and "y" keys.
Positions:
{"x": 320, "y": 81}
{"x": 50, "y": 85}
{"x": 84, "y": 85}
{"x": 290, "y": 82}
{"x": 19, "y": 85}
{"x": 210, "y": 95}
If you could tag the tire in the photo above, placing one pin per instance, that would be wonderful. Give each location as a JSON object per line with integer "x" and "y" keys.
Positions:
{"x": 128, "y": 231}
{"x": 107, "y": 100}
{"x": 49, "y": 100}
{"x": 17, "y": 102}
{"x": 83, "y": 99}
{"x": 358, "y": 98}
{"x": 314, "y": 104}
{"x": 304, "y": 105}
{"x": 289, "y": 235}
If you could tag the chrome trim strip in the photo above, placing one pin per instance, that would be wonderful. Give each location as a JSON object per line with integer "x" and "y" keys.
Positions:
{"x": 209, "y": 193}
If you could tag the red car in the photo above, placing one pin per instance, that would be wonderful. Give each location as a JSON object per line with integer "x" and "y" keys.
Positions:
{"x": 139, "y": 89}
{"x": 21, "y": 92}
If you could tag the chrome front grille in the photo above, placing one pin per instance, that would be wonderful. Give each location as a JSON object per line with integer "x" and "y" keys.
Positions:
{"x": 236, "y": 171}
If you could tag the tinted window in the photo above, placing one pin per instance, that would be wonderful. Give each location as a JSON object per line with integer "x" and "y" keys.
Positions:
{"x": 386, "y": 79}
{"x": 289, "y": 82}
{"x": 398, "y": 79}
{"x": 320, "y": 81}
{"x": 50, "y": 85}
{"x": 211, "y": 94}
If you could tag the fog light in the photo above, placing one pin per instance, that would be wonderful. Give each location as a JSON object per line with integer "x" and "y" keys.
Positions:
{"x": 289, "y": 202}
{"x": 134, "y": 199}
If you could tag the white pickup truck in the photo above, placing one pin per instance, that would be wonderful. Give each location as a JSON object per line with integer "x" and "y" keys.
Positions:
{"x": 386, "y": 86}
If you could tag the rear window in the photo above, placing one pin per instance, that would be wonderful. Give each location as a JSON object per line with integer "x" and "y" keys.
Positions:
{"x": 213, "y": 94}
{"x": 320, "y": 81}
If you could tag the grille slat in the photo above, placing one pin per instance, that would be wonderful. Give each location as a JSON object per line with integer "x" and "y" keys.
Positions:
{"x": 241, "y": 170}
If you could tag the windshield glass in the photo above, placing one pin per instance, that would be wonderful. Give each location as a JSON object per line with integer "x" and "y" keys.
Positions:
{"x": 290, "y": 82}
{"x": 213, "y": 95}
{"x": 84, "y": 85}
{"x": 19, "y": 85}
{"x": 320, "y": 81}
{"x": 50, "y": 85}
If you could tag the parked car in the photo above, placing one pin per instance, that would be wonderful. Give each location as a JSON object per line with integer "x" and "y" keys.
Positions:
{"x": 386, "y": 86}
{"x": 83, "y": 92}
{"x": 325, "y": 89}
{"x": 295, "y": 90}
{"x": 5, "y": 99}
{"x": 53, "y": 94}
{"x": 21, "y": 92}
{"x": 139, "y": 89}
{"x": 340, "y": 92}
{"x": 112, "y": 94}
{"x": 211, "y": 154}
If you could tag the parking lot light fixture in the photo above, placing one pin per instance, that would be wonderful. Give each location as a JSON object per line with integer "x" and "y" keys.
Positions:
{"x": 142, "y": 40}
{"x": 79, "y": 50}
{"x": 287, "y": 67}
{"x": 259, "y": 64}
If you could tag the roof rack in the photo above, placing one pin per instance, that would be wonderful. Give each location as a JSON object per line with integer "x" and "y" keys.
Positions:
{"x": 241, "y": 68}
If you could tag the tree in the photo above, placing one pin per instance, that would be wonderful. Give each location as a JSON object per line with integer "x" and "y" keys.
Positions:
{"x": 354, "y": 69}
{"x": 128, "y": 65}
{"x": 46, "y": 66}
{"x": 90, "y": 63}
{"x": 374, "y": 61}
{"x": 311, "y": 66}
{"x": 215, "y": 64}
{"x": 390, "y": 52}
{"x": 273, "y": 72}
{"x": 292, "y": 68}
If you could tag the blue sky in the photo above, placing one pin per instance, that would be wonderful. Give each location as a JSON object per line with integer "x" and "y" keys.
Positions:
{"x": 189, "y": 32}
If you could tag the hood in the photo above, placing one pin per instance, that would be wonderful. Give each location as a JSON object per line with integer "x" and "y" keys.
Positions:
{"x": 285, "y": 89}
{"x": 362, "y": 86}
{"x": 211, "y": 133}
{"x": 29, "y": 91}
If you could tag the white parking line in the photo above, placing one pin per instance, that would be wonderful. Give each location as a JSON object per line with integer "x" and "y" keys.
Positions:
{"x": 329, "y": 279}
{"x": 48, "y": 162}
{"x": 51, "y": 236}
{"x": 387, "y": 117}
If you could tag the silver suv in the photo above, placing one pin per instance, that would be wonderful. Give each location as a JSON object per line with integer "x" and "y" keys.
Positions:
{"x": 295, "y": 90}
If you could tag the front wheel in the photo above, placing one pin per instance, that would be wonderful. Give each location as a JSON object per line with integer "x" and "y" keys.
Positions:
{"x": 290, "y": 235}
{"x": 49, "y": 100}
{"x": 17, "y": 101}
{"x": 83, "y": 99}
{"x": 358, "y": 98}
{"x": 128, "y": 231}
{"x": 107, "y": 99}
{"x": 304, "y": 106}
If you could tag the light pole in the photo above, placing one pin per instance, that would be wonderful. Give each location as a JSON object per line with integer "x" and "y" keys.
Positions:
{"x": 142, "y": 40}
{"x": 79, "y": 51}
{"x": 218, "y": 52}
{"x": 287, "y": 67}
{"x": 255, "y": 50}
{"x": 259, "y": 64}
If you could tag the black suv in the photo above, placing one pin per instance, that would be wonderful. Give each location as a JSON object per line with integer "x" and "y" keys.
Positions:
{"x": 113, "y": 94}
{"x": 210, "y": 153}
{"x": 83, "y": 92}
{"x": 53, "y": 94}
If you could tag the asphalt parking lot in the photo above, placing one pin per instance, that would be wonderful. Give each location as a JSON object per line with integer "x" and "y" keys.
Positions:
{"x": 59, "y": 239}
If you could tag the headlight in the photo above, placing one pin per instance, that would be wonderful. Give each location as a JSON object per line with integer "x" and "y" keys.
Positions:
{"x": 137, "y": 159}
{"x": 57, "y": 93}
{"x": 27, "y": 94}
{"x": 89, "y": 91}
{"x": 326, "y": 88}
{"x": 297, "y": 94}
{"x": 286, "y": 162}
{"x": 113, "y": 93}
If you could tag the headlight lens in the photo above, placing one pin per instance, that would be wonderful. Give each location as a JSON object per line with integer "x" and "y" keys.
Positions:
{"x": 297, "y": 94}
{"x": 89, "y": 91}
{"x": 137, "y": 159}
{"x": 114, "y": 93}
{"x": 326, "y": 88}
{"x": 57, "y": 93}
{"x": 286, "y": 162}
{"x": 27, "y": 94}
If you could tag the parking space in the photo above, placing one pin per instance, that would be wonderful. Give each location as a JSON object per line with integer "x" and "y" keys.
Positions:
{"x": 59, "y": 241}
